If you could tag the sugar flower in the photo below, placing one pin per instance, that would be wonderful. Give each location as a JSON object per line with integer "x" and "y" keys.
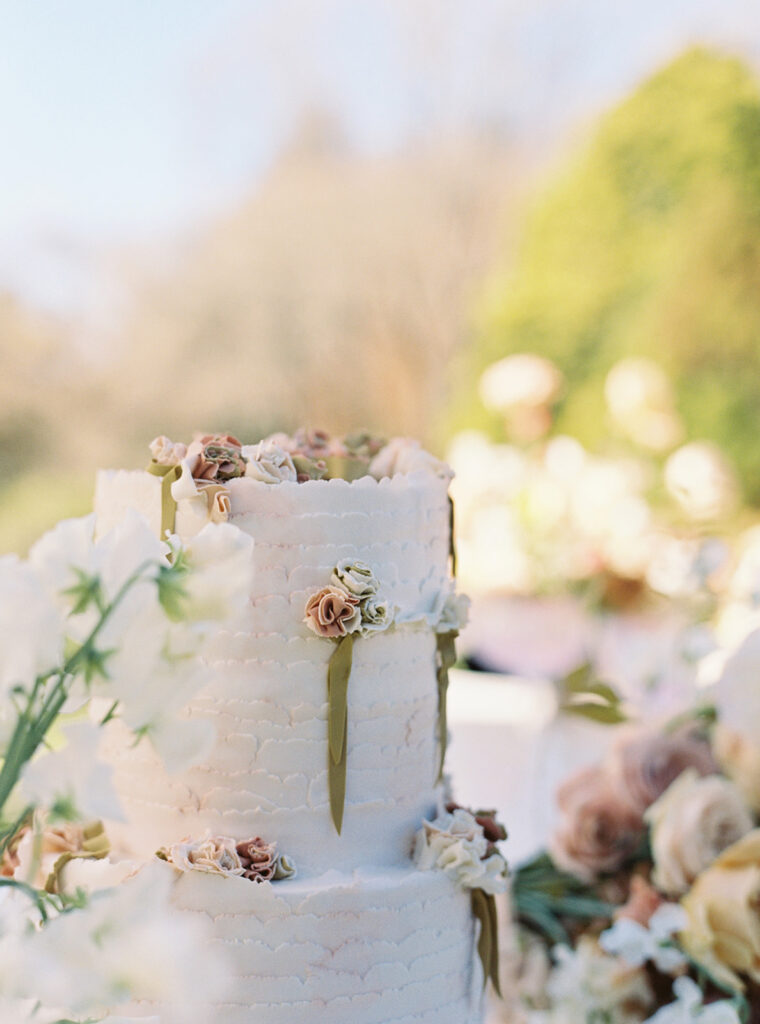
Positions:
{"x": 215, "y": 855}
{"x": 356, "y": 577}
{"x": 333, "y": 612}
{"x": 455, "y": 844}
{"x": 269, "y": 463}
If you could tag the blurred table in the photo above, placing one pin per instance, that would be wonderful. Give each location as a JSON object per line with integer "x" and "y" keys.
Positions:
{"x": 510, "y": 749}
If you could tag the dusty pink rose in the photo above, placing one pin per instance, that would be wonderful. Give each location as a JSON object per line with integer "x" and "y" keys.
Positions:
{"x": 643, "y": 900}
{"x": 333, "y": 612}
{"x": 644, "y": 764}
{"x": 216, "y": 457}
{"x": 598, "y": 832}
{"x": 258, "y": 859}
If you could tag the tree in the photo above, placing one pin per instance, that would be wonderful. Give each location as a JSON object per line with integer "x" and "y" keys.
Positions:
{"x": 649, "y": 244}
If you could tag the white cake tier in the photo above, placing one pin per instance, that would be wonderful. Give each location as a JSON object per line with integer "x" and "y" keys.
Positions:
{"x": 267, "y": 774}
{"x": 391, "y": 947}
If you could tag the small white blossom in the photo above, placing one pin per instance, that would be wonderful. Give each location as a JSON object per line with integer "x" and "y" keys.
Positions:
{"x": 74, "y": 776}
{"x": 31, "y": 626}
{"x": 689, "y": 1008}
{"x": 637, "y": 944}
{"x": 166, "y": 452}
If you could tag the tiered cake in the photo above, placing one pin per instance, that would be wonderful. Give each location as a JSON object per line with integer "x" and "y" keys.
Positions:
{"x": 360, "y": 935}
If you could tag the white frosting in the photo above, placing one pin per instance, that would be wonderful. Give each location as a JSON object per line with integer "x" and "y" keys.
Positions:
{"x": 267, "y": 774}
{"x": 391, "y": 947}
{"x": 360, "y": 934}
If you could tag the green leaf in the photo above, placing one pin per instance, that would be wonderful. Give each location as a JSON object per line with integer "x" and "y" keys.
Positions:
{"x": 338, "y": 675}
{"x": 484, "y": 910}
{"x": 604, "y": 713}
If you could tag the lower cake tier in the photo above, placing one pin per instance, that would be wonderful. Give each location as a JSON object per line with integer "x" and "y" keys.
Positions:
{"x": 390, "y": 947}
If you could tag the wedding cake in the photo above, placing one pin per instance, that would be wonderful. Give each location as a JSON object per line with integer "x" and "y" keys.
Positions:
{"x": 314, "y": 834}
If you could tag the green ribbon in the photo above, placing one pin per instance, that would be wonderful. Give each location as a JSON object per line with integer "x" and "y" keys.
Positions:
{"x": 95, "y": 846}
{"x": 452, "y": 543}
{"x": 484, "y": 909}
{"x": 168, "y": 476}
{"x": 338, "y": 674}
{"x": 447, "y": 656}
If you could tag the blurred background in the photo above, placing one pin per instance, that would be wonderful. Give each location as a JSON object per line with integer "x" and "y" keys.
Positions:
{"x": 249, "y": 215}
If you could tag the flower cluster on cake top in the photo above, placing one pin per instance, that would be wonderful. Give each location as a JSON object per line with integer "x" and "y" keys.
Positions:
{"x": 300, "y": 457}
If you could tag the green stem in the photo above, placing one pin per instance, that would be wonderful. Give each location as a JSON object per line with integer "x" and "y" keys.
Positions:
{"x": 31, "y": 728}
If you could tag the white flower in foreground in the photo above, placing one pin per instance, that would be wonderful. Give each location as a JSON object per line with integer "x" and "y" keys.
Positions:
{"x": 218, "y": 587}
{"x": 269, "y": 463}
{"x": 454, "y": 843}
{"x": 636, "y": 944}
{"x": 73, "y": 776}
{"x": 31, "y": 626}
{"x": 689, "y": 1008}
{"x": 59, "y": 553}
{"x": 700, "y": 479}
{"x": 128, "y": 943}
{"x": 694, "y": 821}
{"x": 587, "y": 985}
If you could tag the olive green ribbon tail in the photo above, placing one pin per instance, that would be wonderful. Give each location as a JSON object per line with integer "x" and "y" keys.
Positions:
{"x": 168, "y": 476}
{"x": 447, "y": 657}
{"x": 452, "y": 542}
{"x": 484, "y": 909}
{"x": 95, "y": 846}
{"x": 338, "y": 675}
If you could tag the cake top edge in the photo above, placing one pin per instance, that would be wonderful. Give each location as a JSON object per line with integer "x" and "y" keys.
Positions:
{"x": 306, "y": 457}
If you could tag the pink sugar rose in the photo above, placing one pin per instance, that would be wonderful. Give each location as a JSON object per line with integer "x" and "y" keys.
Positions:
{"x": 333, "y": 612}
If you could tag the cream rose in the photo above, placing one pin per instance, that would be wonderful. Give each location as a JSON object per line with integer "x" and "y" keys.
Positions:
{"x": 377, "y": 614}
{"x": 357, "y": 578}
{"x": 333, "y": 612}
{"x": 452, "y": 612}
{"x": 723, "y": 908}
{"x": 455, "y": 844}
{"x": 269, "y": 463}
{"x": 166, "y": 452}
{"x": 215, "y": 855}
{"x": 691, "y": 824}
{"x": 406, "y": 455}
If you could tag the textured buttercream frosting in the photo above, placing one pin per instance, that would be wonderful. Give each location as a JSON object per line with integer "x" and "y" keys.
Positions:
{"x": 360, "y": 935}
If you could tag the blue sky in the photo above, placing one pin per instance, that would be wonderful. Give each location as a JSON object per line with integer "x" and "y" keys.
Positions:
{"x": 128, "y": 120}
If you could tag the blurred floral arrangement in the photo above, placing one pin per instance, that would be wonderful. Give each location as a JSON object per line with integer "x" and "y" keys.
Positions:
{"x": 94, "y": 629}
{"x": 646, "y": 904}
{"x": 626, "y": 566}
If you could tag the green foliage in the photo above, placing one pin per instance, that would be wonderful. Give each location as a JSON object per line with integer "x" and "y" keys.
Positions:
{"x": 649, "y": 244}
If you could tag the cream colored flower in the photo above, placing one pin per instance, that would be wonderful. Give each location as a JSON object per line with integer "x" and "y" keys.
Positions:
{"x": 356, "y": 577}
{"x": 218, "y": 500}
{"x": 723, "y": 908}
{"x": 377, "y": 614}
{"x": 215, "y": 855}
{"x": 691, "y": 824}
{"x": 455, "y": 844}
{"x": 406, "y": 455}
{"x": 269, "y": 463}
{"x": 166, "y": 452}
{"x": 698, "y": 476}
